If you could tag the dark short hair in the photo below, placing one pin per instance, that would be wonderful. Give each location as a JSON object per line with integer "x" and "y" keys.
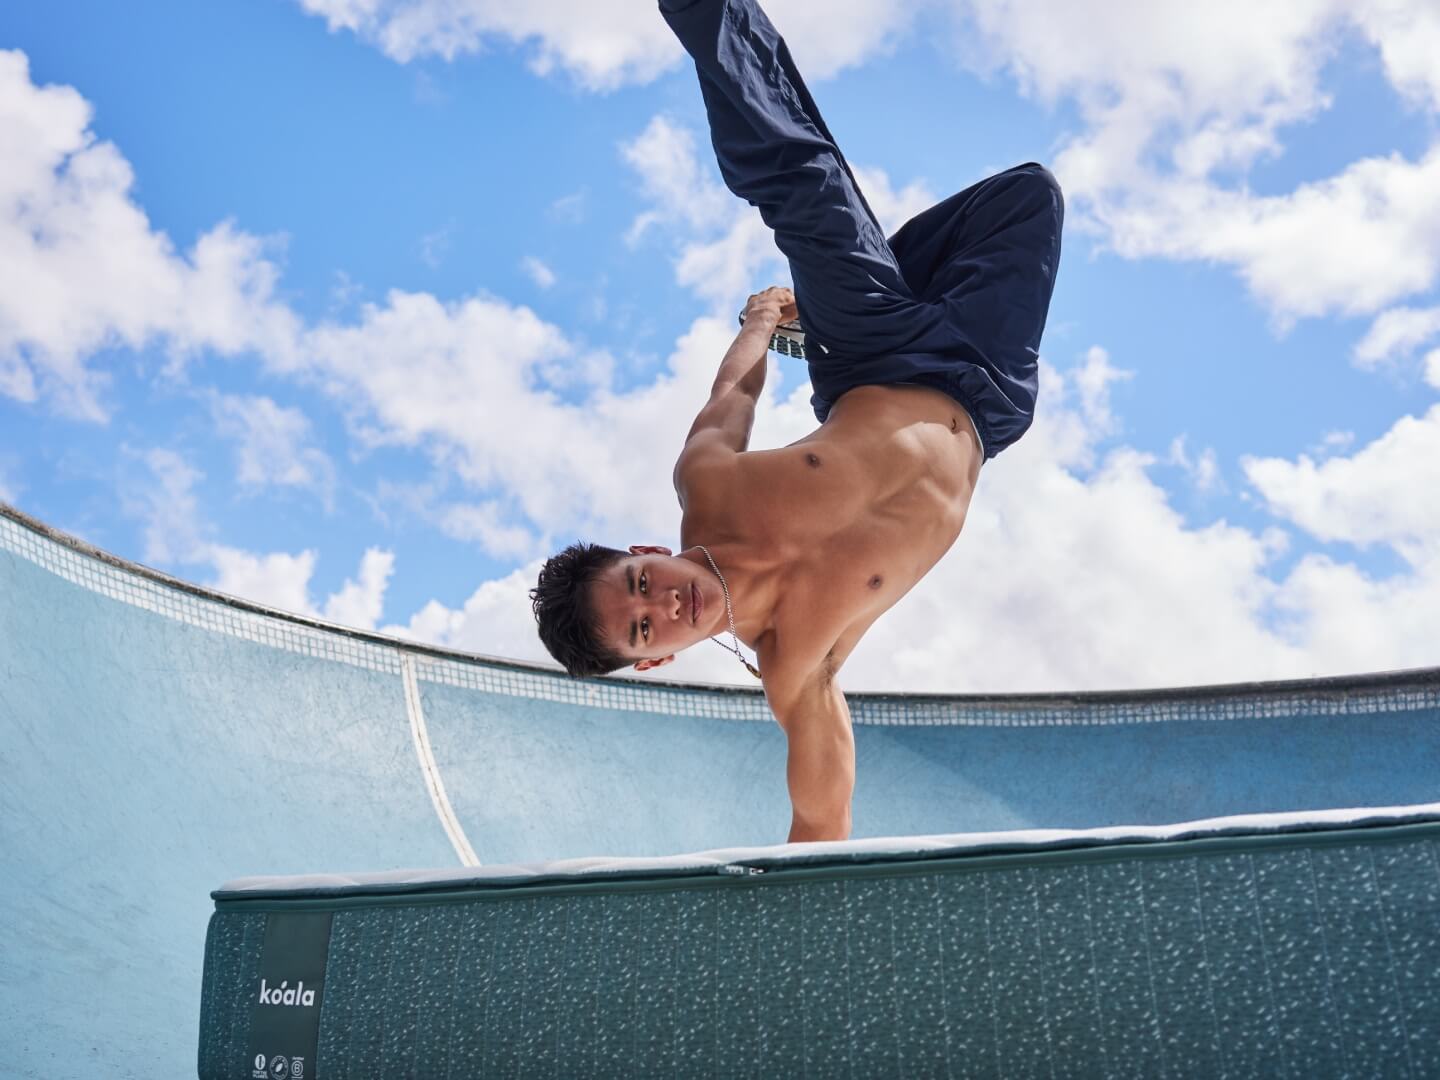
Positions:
{"x": 568, "y": 623}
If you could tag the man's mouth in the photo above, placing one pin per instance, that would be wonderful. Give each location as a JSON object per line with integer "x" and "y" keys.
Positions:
{"x": 695, "y": 603}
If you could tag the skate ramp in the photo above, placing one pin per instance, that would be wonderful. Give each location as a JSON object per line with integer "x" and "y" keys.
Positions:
{"x": 157, "y": 740}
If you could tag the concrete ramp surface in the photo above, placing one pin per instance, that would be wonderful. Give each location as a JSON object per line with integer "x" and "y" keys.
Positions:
{"x": 157, "y": 740}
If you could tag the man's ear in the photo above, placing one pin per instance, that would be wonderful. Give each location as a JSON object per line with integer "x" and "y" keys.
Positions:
{"x": 649, "y": 549}
{"x": 646, "y": 665}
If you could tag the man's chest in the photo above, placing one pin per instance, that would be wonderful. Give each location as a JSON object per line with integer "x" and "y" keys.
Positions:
{"x": 835, "y": 594}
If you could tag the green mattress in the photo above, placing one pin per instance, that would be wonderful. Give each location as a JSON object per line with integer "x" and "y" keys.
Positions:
{"x": 1300, "y": 946}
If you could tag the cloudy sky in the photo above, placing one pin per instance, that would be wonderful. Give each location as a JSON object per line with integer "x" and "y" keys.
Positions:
{"x": 362, "y": 307}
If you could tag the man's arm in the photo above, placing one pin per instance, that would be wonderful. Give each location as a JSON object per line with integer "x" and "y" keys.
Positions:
{"x": 820, "y": 768}
{"x": 722, "y": 428}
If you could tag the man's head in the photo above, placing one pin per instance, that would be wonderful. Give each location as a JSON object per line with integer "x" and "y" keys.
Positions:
{"x": 599, "y": 609}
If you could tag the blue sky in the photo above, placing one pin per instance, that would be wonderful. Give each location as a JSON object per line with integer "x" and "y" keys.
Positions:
{"x": 445, "y": 313}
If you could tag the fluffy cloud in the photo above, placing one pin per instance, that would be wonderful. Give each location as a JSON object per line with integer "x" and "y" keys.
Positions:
{"x": 1178, "y": 101}
{"x": 1066, "y": 576}
{"x": 1074, "y": 569}
{"x": 1203, "y": 470}
{"x": 1072, "y": 575}
{"x": 725, "y": 246}
{"x": 487, "y": 523}
{"x": 1350, "y": 244}
{"x": 495, "y": 620}
{"x": 1398, "y": 332}
{"x": 177, "y": 534}
{"x": 602, "y": 44}
{"x": 464, "y": 382}
{"x": 1407, "y": 33}
{"x": 273, "y": 445}
{"x": 679, "y": 186}
{"x": 360, "y": 601}
{"x": 277, "y": 579}
{"x": 81, "y": 268}
{"x": 1383, "y": 494}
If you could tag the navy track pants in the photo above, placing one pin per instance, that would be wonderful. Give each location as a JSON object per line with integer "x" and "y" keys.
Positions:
{"x": 956, "y": 299}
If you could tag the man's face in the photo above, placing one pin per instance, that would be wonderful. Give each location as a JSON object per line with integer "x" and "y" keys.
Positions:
{"x": 653, "y": 604}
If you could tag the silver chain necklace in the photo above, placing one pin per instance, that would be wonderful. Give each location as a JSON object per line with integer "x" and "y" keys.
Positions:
{"x": 730, "y": 614}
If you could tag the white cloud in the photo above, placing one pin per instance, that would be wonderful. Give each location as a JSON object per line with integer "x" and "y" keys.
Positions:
{"x": 496, "y": 620}
{"x": 1398, "y": 332}
{"x": 1407, "y": 33}
{"x": 81, "y": 269}
{"x": 1384, "y": 493}
{"x": 1203, "y": 471}
{"x": 1197, "y": 86}
{"x": 725, "y": 270}
{"x": 1350, "y": 244}
{"x": 485, "y": 524}
{"x": 277, "y": 579}
{"x": 724, "y": 246}
{"x": 173, "y": 532}
{"x": 360, "y": 602}
{"x": 601, "y": 44}
{"x": 463, "y": 382}
{"x": 273, "y": 445}
{"x": 539, "y": 273}
{"x": 1346, "y": 621}
{"x": 1074, "y": 570}
{"x": 1179, "y": 101}
{"x": 176, "y": 533}
{"x": 1059, "y": 581}
{"x": 604, "y": 44}
{"x": 677, "y": 183}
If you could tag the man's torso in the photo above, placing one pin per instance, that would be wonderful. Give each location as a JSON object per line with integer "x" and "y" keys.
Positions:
{"x": 850, "y": 517}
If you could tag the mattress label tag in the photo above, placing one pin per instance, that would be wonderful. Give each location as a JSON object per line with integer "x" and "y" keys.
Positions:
{"x": 285, "y": 1000}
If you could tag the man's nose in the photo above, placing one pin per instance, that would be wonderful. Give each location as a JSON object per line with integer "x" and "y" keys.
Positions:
{"x": 664, "y": 606}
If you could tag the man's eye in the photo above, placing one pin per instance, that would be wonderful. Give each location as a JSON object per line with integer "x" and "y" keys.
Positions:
{"x": 642, "y": 582}
{"x": 645, "y": 629}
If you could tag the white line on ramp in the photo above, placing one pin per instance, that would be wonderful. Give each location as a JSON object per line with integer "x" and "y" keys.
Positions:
{"x": 429, "y": 769}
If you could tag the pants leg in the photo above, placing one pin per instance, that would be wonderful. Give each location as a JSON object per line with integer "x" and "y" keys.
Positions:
{"x": 774, "y": 151}
{"x": 957, "y": 299}
{"x": 989, "y": 255}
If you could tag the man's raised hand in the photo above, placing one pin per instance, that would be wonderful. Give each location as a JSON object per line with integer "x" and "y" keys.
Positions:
{"x": 776, "y": 302}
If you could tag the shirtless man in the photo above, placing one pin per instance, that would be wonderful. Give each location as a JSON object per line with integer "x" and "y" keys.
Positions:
{"x": 922, "y": 351}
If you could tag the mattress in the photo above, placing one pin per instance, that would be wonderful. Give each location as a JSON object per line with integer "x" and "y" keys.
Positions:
{"x": 1302, "y": 945}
